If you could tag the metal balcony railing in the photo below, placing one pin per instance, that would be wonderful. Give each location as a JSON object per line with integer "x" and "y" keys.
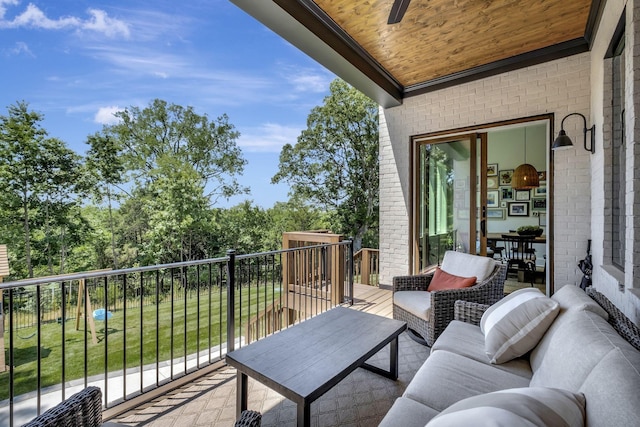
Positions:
{"x": 136, "y": 331}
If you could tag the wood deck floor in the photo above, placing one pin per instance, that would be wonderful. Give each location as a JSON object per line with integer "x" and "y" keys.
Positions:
{"x": 372, "y": 300}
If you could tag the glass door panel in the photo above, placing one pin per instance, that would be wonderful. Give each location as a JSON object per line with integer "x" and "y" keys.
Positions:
{"x": 446, "y": 199}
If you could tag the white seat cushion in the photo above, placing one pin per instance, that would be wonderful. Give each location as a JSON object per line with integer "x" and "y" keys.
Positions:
{"x": 467, "y": 265}
{"x": 417, "y": 303}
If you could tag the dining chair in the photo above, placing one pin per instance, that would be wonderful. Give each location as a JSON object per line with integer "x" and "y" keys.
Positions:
{"x": 519, "y": 254}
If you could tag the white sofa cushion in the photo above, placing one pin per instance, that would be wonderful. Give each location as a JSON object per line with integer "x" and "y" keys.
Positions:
{"x": 515, "y": 324}
{"x": 467, "y": 265}
{"x": 571, "y": 297}
{"x": 417, "y": 303}
{"x": 518, "y": 407}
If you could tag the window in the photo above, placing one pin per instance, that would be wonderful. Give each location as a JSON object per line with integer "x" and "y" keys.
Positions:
{"x": 618, "y": 152}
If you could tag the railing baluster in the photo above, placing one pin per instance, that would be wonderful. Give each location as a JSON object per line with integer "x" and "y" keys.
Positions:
{"x": 231, "y": 299}
{"x": 158, "y": 327}
{"x": 173, "y": 310}
{"x": 63, "y": 359}
{"x": 11, "y": 359}
{"x": 185, "y": 286}
{"x": 198, "y": 317}
{"x": 124, "y": 338}
{"x": 38, "y": 349}
{"x": 141, "y": 320}
{"x": 106, "y": 345}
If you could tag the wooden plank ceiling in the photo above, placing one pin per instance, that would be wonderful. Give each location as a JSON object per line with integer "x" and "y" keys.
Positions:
{"x": 437, "y": 38}
{"x": 443, "y": 42}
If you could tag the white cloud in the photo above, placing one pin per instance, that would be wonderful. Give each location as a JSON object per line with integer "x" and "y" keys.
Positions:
{"x": 312, "y": 80}
{"x": 106, "y": 115}
{"x": 22, "y": 48}
{"x": 270, "y": 137}
{"x": 33, "y": 17}
{"x": 102, "y": 23}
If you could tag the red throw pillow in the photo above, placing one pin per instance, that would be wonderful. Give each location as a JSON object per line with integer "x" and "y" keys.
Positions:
{"x": 443, "y": 280}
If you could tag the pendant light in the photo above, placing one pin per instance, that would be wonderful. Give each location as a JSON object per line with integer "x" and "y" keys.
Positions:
{"x": 525, "y": 177}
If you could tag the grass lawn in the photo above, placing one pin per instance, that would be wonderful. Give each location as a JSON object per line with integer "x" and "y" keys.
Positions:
{"x": 139, "y": 341}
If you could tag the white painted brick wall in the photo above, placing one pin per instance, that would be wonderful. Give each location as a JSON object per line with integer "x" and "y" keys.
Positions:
{"x": 560, "y": 87}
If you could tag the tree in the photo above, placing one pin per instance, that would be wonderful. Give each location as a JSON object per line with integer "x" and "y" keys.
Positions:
{"x": 105, "y": 165}
{"x": 180, "y": 163}
{"x": 335, "y": 160}
{"x": 42, "y": 181}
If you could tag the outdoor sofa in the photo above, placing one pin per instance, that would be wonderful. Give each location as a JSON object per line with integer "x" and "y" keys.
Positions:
{"x": 427, "y": 312}
{"x": 551, "y": 361}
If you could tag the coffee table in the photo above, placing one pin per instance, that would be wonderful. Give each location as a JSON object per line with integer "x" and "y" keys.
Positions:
{"x": 306, "y": 360}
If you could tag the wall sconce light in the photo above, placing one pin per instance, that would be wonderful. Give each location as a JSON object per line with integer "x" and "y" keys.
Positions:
{"x": 563, "y": 141}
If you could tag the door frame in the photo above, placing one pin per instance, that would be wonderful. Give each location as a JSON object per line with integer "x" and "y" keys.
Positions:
{"x": 452, "y": 134}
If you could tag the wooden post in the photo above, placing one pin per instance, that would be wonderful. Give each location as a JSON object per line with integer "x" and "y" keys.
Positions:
{"x": 83, "y": 293}
{"x": 365, "y": 268}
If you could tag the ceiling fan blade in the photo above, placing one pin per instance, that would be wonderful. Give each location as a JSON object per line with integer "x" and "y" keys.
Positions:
{"x": 397, "y": 11}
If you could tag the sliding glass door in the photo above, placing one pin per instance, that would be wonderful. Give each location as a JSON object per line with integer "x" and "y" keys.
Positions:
{"x": 449, "y": 211}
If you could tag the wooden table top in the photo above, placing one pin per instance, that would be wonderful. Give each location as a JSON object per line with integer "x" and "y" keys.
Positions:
{"x": 498, "y": 237}
{"x": 307, "y": 359}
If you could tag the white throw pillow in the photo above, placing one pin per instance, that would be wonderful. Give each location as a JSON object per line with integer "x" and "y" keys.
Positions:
{"x": 467, "y": 265}
{"x": 526, "y": 407}
{"x": 515, "y": 324}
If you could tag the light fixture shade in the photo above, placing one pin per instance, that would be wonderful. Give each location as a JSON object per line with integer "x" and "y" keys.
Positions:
{"x": 562, "y": 142}
{"x": 525, "y": 177}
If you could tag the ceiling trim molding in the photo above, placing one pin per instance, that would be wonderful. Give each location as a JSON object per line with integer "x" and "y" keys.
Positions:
{"x": 307, "y": 13}
{"x": 593, "y": 22}
{"x": 535, "y": 57}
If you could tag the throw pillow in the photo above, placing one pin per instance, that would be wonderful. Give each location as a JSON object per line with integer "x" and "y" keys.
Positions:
{"x": 442, "y": 280}
{"x": 515, "y": 324}
{"x": 516, "y": 407}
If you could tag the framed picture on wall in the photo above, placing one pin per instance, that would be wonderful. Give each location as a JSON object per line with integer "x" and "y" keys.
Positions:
{"x": 492, "y": 199}
{"x": 538, "y": 204}
{"x": 492, "y": 169}
{"x": 542, "y": 176}
{"x": 523, "y": 195}
{"x": 495, "y": 213}
{"x": 506, "y": 193}
{"x": 542, "y": 220}
{"x": 506, "y": 176}
{"x": 492, "y": 182}
{"x": 519, "y": 209}
{"x": 540, "y": 191}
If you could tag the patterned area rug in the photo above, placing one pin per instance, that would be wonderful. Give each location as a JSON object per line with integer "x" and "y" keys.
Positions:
{"x": 361, "y": 399}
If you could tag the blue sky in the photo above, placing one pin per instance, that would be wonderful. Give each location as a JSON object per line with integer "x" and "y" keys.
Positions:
{"x": 79, "y": 61}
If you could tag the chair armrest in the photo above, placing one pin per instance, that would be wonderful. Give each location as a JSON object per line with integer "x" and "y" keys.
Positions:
{"x": 83, "y": 409}
{"x": 469, "y": 312}
{"x": 418, "y": 282}
{"x": 249, "y": 418}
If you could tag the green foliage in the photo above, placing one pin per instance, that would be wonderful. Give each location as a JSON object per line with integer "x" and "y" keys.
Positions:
{"x": 334, "y": 164}
{"x": 176, "y": 165}
{"x": 43, "y": 183}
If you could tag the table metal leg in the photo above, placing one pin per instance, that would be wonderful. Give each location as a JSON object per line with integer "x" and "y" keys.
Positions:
{"x": 392, "y": 373}
{"x": 393, "y": 359}
{"x": 304, "y": 414}
{"x": 241, "y": 393}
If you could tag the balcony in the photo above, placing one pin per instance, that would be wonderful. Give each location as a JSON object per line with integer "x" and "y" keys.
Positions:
{"x": 161, "y": 333}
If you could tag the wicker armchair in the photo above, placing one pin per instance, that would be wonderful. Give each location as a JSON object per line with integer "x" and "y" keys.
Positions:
{"x": 83, "y": 409}
{"x": 441, "y": 309}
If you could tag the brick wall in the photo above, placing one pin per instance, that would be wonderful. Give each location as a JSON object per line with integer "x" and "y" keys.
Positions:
{"x": 560, "y": 87}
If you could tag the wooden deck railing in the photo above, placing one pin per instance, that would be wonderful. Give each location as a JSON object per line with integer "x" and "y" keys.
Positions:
{"x": 366, "y": 266}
